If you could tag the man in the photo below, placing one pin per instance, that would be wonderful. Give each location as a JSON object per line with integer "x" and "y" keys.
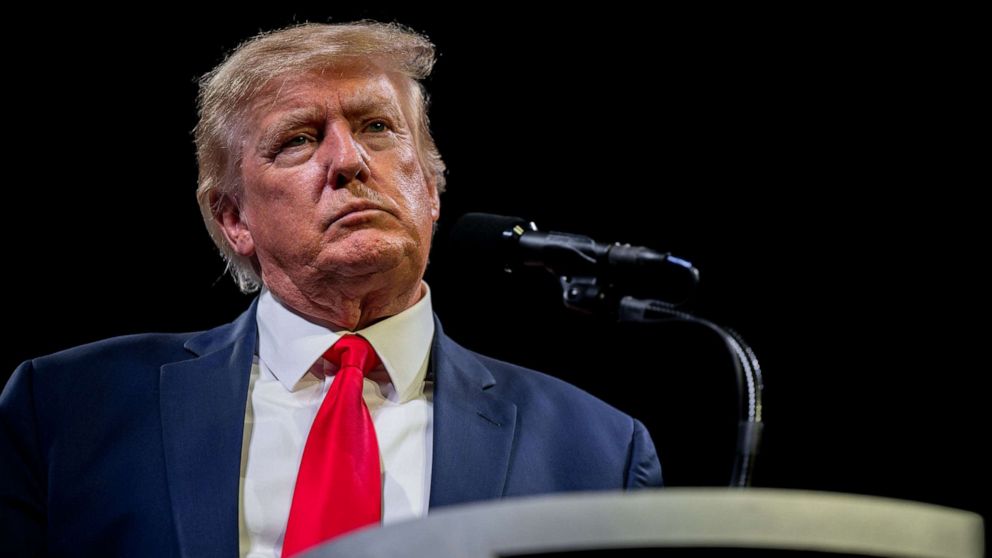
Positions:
{"x": 320, "y": 183}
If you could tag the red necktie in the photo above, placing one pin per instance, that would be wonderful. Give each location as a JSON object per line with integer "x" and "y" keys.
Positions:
{"x": 339, "y": 487}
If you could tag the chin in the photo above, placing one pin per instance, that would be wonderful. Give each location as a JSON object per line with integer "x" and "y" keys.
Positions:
{"x": 363, "y": 253}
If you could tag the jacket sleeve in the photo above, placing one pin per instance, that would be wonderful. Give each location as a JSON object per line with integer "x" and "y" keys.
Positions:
{"x": 22, "y": 482}
{"x": 643, "y": 467}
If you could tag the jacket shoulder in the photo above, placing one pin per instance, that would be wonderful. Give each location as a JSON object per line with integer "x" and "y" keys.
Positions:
{"x": 161, "y": 347}
{"x": 152, "y": 348}
{"x": 566, "y": 438}
{"x": 533, "y": 382}
{"x": 537, "y": 392}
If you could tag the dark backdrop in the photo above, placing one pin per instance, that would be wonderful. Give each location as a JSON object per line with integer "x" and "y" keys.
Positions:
{"x": 812, "y": 165}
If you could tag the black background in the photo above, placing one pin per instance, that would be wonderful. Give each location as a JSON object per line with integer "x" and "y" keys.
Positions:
{"x": 815, "y": 165}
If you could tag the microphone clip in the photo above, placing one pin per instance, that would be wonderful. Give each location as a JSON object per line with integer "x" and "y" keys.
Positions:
{"x": 587, "y": 295}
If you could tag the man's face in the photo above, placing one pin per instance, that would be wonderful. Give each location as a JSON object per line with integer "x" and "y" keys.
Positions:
{"x": 333, "y": 188}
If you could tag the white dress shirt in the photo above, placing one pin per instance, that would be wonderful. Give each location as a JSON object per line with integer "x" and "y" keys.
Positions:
{"x": 289, "y": 378}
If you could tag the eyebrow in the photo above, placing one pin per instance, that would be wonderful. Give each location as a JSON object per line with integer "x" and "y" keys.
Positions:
{"x": 294, "y": 119}
{"x": 362, "y": 105}
{"x": 366, "y": 104}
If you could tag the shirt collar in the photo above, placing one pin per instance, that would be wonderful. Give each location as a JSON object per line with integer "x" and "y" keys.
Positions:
{"x": 289, "y": 345}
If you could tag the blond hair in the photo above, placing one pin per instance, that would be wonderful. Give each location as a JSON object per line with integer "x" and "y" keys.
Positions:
{"x": 228, "y": 90}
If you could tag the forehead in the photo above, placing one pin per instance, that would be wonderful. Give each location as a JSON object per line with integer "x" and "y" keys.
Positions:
{"x": 347, "y": 89}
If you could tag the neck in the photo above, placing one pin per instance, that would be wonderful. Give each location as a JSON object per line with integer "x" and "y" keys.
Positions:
{"x": 344, "y": 306}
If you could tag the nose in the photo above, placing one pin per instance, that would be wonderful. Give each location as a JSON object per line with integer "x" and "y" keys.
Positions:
{"x": 345, "y": 157}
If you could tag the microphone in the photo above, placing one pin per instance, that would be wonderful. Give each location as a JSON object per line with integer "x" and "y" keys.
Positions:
{"x": 513, "y": 242}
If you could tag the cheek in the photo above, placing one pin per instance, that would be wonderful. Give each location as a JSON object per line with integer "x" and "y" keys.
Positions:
{"x": 301, "y": 185}
{"x": 281, "y": 197}
{"x": 412, "y": 185}
{"x": 279, "y": 205}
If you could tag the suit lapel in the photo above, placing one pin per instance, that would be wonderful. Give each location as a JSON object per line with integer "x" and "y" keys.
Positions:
{"x": 203, "y": 404}
{"x": 473, "y": 427}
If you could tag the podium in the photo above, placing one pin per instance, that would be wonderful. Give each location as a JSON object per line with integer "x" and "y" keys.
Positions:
{"x": 675, "y": 518}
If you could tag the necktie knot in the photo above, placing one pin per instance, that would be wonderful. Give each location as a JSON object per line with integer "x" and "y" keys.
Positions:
{"x": 353, "y": 351}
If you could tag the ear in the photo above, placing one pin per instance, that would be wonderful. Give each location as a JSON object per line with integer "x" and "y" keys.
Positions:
{"x": 227, "y": 213}
{"x": 435, "y": 198}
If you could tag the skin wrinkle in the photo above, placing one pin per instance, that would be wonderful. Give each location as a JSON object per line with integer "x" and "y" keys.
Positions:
{"x": 297, "y": 119}
{"x": 366, "y": 103}
{"x": 275, "y": 98}
{"x": 342, "y": 272}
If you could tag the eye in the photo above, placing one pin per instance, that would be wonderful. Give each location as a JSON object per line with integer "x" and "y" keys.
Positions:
{"x": 377, "y": 127}
{"x": 297, "y": 141}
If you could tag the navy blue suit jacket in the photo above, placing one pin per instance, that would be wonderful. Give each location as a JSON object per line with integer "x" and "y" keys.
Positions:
{"x": 132, "y": 446}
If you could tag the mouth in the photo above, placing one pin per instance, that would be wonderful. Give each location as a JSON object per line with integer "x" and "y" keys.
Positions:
{"x": 356, "y": 210}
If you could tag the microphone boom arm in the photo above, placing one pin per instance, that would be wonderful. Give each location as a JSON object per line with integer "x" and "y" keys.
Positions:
{"x": 594, "y": 296}
{"x": 747, "y": 370}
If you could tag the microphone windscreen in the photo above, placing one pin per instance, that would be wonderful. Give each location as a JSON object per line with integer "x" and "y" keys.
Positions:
{"x": 485, "y": 238}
